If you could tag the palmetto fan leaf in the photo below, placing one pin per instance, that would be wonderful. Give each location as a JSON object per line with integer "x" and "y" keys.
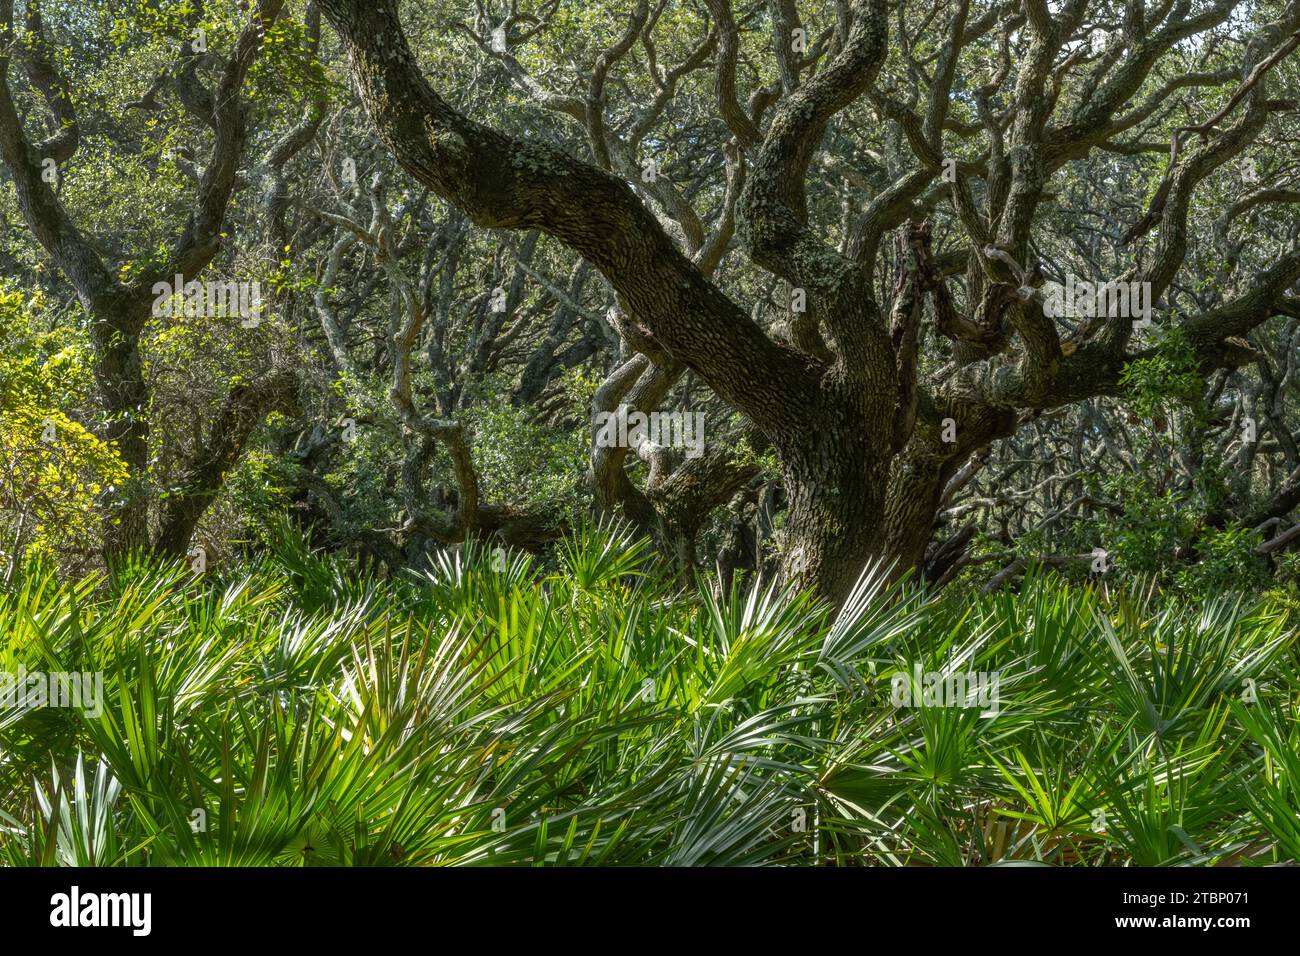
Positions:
{"x": 498, "y": 711}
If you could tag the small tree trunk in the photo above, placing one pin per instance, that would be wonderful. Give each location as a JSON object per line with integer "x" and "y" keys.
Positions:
{"x": 920, "y": 474}
{"x": 119, "y": 374}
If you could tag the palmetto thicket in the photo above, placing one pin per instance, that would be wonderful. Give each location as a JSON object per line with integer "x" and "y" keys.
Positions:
{"x": 493, "y": 711}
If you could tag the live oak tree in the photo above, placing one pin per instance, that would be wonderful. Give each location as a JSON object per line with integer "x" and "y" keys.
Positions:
{"x": 995, "y": 103}
{"x": 119, "y": 305}
{"x": 829, "y": 227}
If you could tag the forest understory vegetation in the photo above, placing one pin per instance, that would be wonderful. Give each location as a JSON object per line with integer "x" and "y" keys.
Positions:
{"x": 295, "y": 711}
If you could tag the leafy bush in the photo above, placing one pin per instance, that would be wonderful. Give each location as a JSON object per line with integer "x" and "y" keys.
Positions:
{"x": 53, "y": 467}
{"x": 487, "y": 711}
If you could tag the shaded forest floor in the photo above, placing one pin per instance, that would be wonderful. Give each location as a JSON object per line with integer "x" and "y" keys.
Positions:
{"x": 290, "y": 711}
